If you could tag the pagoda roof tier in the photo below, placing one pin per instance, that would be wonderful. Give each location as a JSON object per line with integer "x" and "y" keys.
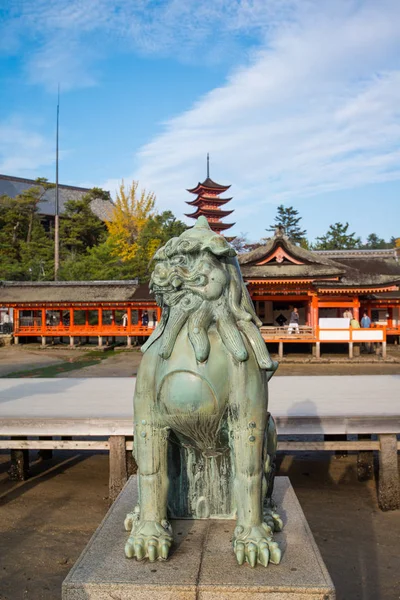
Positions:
{"x": 208, "y": 184}
{"x": 209, "y": 212}
{"x": 219, "y": 225}
{"x": 201, "y": 199}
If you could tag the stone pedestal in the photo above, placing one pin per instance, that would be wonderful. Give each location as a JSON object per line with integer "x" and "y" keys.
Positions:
{"x": 202, "y": 565}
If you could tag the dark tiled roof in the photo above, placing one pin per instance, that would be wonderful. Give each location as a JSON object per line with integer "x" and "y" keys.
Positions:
{"x": 73, "y": 291}
{"x": 287, "y": 270}
{"x": 361, "y": 270}
{"x": 297, "y": 252}
{"x": 387, "y": 266}
{"x": 12, "y": 186}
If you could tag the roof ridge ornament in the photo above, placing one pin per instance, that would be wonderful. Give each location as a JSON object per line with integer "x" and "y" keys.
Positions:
{"x": 280, "y": 231}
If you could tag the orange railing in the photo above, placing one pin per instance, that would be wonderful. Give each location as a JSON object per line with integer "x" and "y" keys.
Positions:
{"x": 60, "y": 330}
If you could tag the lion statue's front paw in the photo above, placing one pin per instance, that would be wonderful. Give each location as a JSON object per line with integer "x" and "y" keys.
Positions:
{"x": 255, "y": 545}
{"x": 149, "y": 539}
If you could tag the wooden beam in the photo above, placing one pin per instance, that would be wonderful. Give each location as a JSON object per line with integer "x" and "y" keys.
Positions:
{"x": 53, "y": 445}
{"x": 118, "y": 475}
{"x": 388, "y": 485}
{"x": 329, "y": 446}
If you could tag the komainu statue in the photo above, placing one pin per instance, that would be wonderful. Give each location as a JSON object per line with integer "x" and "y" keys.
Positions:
{"x": 205, "y": 443}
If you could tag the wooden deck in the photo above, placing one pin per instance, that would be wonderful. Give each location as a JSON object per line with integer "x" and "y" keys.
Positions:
{"x": 98, "y": 412}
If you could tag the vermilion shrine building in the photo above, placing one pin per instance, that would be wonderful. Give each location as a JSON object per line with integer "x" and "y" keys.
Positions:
{"x": 279, "y": 274}
{"x": 80, "y": 309}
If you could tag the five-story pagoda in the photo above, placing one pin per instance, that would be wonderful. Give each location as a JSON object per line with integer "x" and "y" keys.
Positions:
{"x": 208, "y": 203}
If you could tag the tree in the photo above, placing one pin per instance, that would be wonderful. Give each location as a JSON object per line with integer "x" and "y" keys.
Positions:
{"x": 26, "y": 250}
{"x": 288, "y": 218}
{"x": 374, "y": 242}
{"x": 102, "y": 261}
{"x": 131, "y": 212}
{"x": 337, "y": 238}
{"x": 240, "y": 243}
{"x": 80, "y": 228}
{"x": 157, "y": 231}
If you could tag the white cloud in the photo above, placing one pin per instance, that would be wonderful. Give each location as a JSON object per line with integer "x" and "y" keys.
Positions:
{"x": 68, "y": 39}
{"x": 23, "y": 152}
{"x": 316, "y": 110}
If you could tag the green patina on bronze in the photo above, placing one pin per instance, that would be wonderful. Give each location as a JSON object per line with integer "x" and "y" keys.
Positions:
{"x": 205, "y": 443}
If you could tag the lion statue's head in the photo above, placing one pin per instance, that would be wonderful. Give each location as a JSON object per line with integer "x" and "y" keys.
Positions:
{"x": 197, "y": 279}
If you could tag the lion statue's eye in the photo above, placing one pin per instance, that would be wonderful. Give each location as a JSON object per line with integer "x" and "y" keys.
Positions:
{"x": 179, "y": 259}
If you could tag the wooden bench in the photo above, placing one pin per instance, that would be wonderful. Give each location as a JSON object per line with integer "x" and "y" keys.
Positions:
{"x": 99, "y": 410}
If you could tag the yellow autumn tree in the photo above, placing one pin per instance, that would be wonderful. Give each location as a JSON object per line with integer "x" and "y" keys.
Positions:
{"x": 131, "y": 212}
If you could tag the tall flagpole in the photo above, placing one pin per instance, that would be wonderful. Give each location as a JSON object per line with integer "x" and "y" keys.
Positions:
{"x": 57, "y": 207}
{"x": 208, "y": 165}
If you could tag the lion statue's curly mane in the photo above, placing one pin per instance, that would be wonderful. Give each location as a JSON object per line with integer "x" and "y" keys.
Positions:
{"x": 197, "y": 280}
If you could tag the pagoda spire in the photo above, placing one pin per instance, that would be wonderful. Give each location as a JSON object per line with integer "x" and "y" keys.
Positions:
{"x": 208, "y": 202}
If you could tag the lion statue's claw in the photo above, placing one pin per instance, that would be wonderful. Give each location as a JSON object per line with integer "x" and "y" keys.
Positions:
{"x": 255, "y": 545}
{"x": 149, "y": 539}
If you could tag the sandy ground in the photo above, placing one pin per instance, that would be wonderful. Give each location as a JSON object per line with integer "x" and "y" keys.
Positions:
{"x": 46, "y": 522}
{"x": 19, "y": 358}
{"x": 14, "y": 359}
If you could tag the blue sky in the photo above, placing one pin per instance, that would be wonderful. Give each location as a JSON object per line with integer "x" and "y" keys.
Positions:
{"x": 297, "y": 101}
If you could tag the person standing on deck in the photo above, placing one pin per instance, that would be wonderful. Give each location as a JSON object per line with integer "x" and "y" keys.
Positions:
{"x": 294, "y": 321}
{"x": 366, "y": 324}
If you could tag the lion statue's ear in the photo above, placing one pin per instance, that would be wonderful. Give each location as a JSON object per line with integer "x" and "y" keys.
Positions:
{"x": 218, "y": 246}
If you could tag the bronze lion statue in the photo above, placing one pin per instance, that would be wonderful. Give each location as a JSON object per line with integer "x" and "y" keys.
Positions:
{"x": 205, "y": 443}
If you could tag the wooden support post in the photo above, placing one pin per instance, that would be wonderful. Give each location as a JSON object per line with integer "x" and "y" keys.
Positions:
{"x": 388, "y": 486}
{"x": 16, "y": 339}
{"x": 72, "y": 341}
{"x": 317, "y": 349}
{"x": 356, "y": 309}
{"x": 19, "y": 469}
{"x": 43, "y": 320}
{"x": 350, "y": 349}
{"x": 118, "y": 475}
{"x": 43, "y": 340}
{"x": 45, "y": 454}
{"x": 129, "y": 341}
{"x": 280, "y": 349}
{"x": 100, "y": 341}
{"x": 365, "y": 461}
{"x": 383, "y": 349}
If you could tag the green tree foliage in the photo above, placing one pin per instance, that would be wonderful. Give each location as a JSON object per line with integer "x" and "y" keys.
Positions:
{"x": 88, "y": 250}
{"x": 288, "y": 218}
{"x": 155, "y": 233}
{"x": 80, "y": 228}
{"x": 26, "y": 250}
{"x": 337, "y": 238}
{"x": 374, "y": 242}
{"x": 101, "y": 262}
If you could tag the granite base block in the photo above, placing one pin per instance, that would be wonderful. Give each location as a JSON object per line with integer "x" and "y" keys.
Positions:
{"x": 202, "y": 565}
